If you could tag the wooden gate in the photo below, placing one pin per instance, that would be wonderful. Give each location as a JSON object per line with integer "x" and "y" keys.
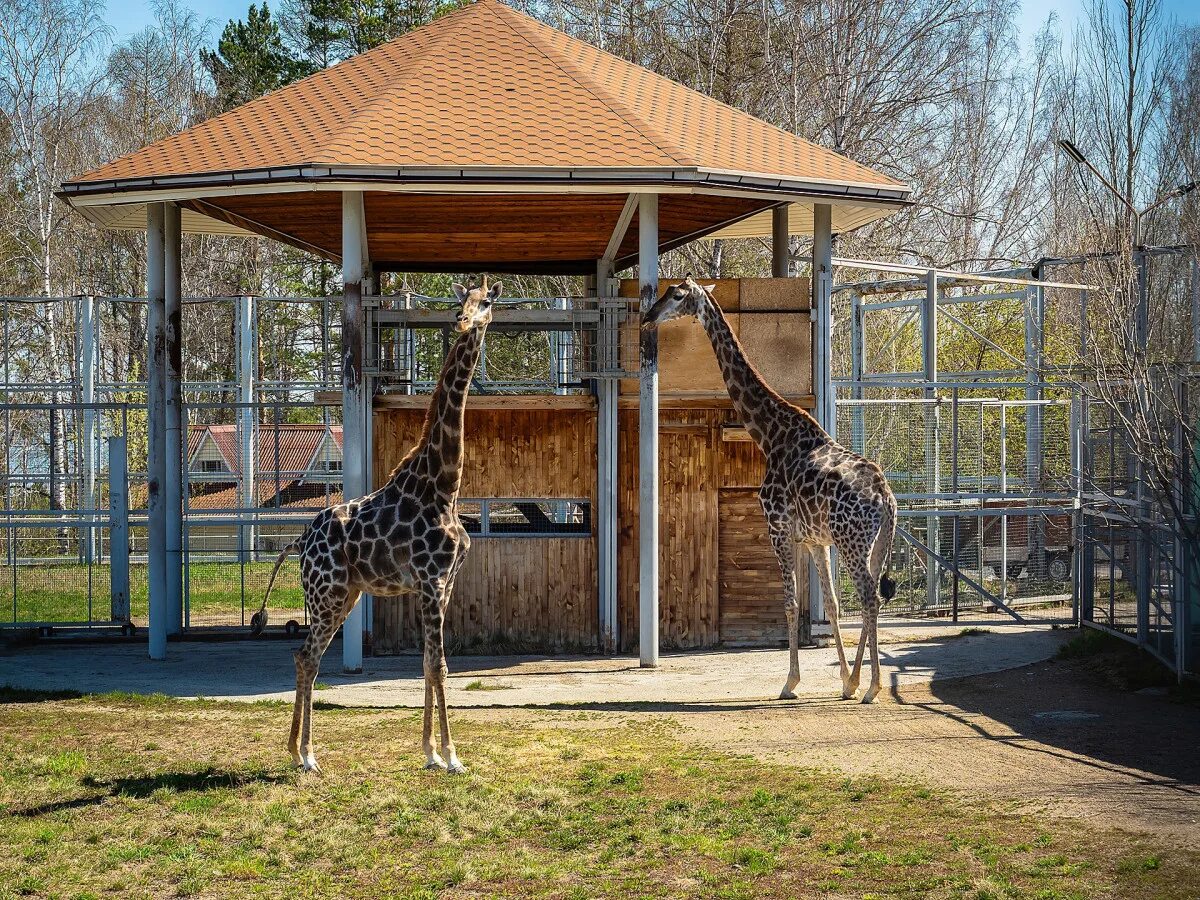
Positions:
{"x": 751, "y": 592}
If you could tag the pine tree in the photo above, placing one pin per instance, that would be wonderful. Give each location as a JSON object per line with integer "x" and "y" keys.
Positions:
{"x": 250, "y": 59}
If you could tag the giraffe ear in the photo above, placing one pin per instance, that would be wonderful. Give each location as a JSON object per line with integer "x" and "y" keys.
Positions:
{"x": 687, "y": 279}
{"x": 459, "y": 291}
{"x": 493, "y": 293}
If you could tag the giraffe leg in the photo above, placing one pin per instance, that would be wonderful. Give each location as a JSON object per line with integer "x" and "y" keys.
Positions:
{"x": 332, "y": 612}
{"x": 433, "y": 611}
{"x": 820, "y": 556}
{"x": 785, "y": 552}
{"x": 868, "y": 593}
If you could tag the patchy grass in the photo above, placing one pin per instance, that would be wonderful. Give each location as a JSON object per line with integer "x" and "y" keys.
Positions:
{"x": 150, "y": 797}
{"x": 479, "y": 685}
{"x": 973, "y": 630}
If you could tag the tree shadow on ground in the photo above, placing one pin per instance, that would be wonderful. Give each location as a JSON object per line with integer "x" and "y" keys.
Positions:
{"x": 143, "y": 786}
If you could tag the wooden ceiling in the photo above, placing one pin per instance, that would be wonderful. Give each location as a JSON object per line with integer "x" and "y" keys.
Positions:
{"x": 517, "y": 233}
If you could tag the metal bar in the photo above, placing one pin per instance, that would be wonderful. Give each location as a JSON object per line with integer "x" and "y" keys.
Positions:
{"x": 118, "y": 529}
{"x": 607, "y": 460}
{"x": 981, "y": 336}
{"x": 949, "y": 274}
{"x": 247, "y": 415}
{"x": 173, "y": 448}
{"x": 353, "y": 395}
{"x": 156, "y": 427}
{"x": 648, "y": 438}
{"x": 858, "y": 352}
{"x": 825, "y": 396}
{"x": 87, "y": 395}
{"x": 618, "y": 233}
{"x": 929, "y": 360}
{"x": 971, "y": 582}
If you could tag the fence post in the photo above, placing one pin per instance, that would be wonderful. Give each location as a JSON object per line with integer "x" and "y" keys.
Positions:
{"x": 247, "y": 372}
{"x": 929, "y": 343}
{"x": 118, "y": 529}
{"x": 648, "y": 548}
{"x": 156, "y": 430}
{"x": 173, "y": 390}
{"x": 87, "y": 392}
{"x": 858, "y": 347}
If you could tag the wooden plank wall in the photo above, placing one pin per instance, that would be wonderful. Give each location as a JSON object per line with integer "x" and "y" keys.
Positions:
{"x": 696, "y": 466}
{"x": 512, "y": 593}
{"x": 748, "y": 575}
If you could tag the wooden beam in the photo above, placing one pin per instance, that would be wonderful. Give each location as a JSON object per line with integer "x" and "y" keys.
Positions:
{"x": 541, "y": 402}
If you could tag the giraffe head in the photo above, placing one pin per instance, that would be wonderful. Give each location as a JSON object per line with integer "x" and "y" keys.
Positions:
{"x": 475, "y": 305}
{"x": 683, "y": 299}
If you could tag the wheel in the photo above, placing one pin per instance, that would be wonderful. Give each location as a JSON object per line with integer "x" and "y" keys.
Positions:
{"x": 257, "y": 624}
{"x": 292, "y": 628}
{"x": 1059, "y": 568}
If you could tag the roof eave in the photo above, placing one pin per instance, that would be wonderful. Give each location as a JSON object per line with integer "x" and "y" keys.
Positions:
{"x": 516, "y": 179}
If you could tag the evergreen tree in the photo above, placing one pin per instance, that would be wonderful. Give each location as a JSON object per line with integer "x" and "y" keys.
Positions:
{"x": 250, "y": 59}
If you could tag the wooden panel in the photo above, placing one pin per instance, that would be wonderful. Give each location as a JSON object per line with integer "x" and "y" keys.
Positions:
{"x": 750, "y": 583}
{"x": 518, "y": 594}
{"x": 778, "y": 344}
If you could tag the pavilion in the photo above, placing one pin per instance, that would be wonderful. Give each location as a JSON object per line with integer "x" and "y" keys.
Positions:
{"x": 484, "y": 141}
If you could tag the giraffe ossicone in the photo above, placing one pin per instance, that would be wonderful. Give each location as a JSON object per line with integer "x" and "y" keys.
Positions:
{"x": 404, "y": 539}
{"x": 816, "y": 494}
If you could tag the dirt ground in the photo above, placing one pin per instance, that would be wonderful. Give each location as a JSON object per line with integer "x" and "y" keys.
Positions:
{"x": 1050, "y": 737}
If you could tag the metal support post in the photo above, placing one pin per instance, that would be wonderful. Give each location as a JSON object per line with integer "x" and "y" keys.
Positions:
{"x": 648, "y": 438}
{"x": 118, "y": 529}
{"x": 1087, "y": 554}
{"x": 606, "y": 433}
{"x": 87, "y": 392}
{"x": 173, "y": 466}
{"x": 1195, "y": 309}
{"x": 1141, "y": 319}
{"x": 354, "y": 399}
{"x": 929, "y": 344}
{"x": 1034, "y": 437}
{"x": 247, "y": 419}
{"x": 156, "y": 429}
{"x": 781, "y": 254}
{"x": 858, "y": 348}
{"x": 823, "y": 391}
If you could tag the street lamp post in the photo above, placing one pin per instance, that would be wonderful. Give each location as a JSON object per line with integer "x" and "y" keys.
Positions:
{"x": 1142, "y": 320}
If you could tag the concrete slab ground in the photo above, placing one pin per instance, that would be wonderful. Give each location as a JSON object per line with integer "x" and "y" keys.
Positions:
{"x": 912, "y": 652}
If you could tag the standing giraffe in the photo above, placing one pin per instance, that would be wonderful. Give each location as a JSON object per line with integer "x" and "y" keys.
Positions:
{"x": 815, "y": 494}
{"x": 405, "y": 538}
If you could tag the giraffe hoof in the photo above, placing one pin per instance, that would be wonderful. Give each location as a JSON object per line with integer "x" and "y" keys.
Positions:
{"x": 848, "y": 693}
{"x": 435, "y": 765}
{"x": 311, "y": 766}
{"x": 869, "y": 696}
{"x": 787, "y": 694}
{"x": 456, "y": 768}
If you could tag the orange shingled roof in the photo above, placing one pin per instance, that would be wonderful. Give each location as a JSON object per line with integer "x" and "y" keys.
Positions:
{"x": 487, "y": 87}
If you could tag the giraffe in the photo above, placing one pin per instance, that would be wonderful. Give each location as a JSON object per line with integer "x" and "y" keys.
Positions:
{"x": 405, "y": 538}
{"x": 816, "y": 494}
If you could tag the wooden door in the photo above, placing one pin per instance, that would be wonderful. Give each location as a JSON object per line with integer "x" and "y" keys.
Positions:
{"x": 751, "y": 590}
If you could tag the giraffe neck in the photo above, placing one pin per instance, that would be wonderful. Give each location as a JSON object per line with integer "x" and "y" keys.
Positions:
{"x": 763, "y": 412}
{"x": 442, "y": 437}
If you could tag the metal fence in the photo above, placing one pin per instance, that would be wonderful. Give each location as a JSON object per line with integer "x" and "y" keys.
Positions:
{"x": 987, "y": 489}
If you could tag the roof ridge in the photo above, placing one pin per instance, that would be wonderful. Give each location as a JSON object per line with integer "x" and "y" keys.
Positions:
{"x": 521, "y": 27}
{"x": 583, "y": 77}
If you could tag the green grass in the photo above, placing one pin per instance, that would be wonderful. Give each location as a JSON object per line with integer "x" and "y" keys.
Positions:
{"x": 59, "y": 592}
{"x": 479, "y": 685}
{"x": 149, "y": 797}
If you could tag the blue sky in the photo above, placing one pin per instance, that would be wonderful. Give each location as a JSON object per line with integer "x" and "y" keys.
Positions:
{"x": 129, "y": 16}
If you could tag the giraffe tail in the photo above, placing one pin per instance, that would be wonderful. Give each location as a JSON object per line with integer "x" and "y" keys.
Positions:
{"x": 883, "y": 543}
{"x": 258, "y": 621}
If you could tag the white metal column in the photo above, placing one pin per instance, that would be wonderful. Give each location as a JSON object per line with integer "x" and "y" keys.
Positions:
{"x": 648, "y": 438}
{"x": 173, "y": 394}
{"x": 87, "y": 391}
{"x": 606, "y": 457}
{"x": 781, "y": 254}
{"x": 354, "y": 481}
{"x": 247, "y": 415}
{"x": 823, "y": 393}
{"x": 929, "y": 342}
{"x": 156, "y": 429}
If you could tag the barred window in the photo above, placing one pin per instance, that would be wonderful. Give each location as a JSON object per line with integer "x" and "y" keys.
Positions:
{"x": 526, "y": 517}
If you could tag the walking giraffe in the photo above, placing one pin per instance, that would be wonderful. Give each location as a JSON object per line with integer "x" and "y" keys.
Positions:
{"x": 815, "y": 494}
{"x": 405, "y": 538}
